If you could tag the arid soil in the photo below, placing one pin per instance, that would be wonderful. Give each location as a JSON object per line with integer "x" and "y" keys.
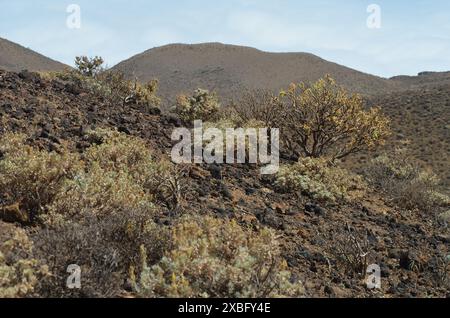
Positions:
{"x": 15, "y": 58}
{"x": 410, "y": 246}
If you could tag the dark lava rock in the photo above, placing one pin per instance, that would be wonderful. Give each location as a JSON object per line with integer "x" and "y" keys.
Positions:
{"x": 270, "y": 218}
{"x": 225, "y": 191}
{"x": 313, "y": 208}
{"x": 29, "y": 76}
{"x": 250, "y": 191}
{"x": 216, "y": 171}
{"x": 154, "y": 111}
{"x": 409, "y": 261}
{"x": 172, "y": 119}
{"x": 72, "y": 88}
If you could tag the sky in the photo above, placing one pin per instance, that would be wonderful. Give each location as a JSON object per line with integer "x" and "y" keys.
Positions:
{"x": 392, "y": 38}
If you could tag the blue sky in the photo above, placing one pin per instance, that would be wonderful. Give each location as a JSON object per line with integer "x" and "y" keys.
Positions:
{"x": 414, "y": 34}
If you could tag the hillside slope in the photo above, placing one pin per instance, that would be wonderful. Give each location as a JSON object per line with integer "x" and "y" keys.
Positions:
{"x": 228, "y": 68}
{"x": 408, "y": 245}
{"x": 14, "y": 57}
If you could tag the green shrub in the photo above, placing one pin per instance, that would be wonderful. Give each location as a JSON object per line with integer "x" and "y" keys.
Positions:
{"x": 405, "y": 182}
{"x": 215, "y": 258}
{"x": 318, "y": 179}
{"x": 202, "y": 105}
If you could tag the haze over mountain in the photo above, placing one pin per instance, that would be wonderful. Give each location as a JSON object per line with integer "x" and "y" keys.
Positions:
{"x": 14, "y": 57}
{"x": 228, "y": 68}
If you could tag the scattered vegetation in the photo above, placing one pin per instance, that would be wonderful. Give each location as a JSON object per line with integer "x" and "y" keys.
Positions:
{"x": 216, "y": 258}
{"x": 112, "y": 86}
{"x": 317, "y": 120}
{"x": 405, "y": 182}
{"x": 319, "y": 179}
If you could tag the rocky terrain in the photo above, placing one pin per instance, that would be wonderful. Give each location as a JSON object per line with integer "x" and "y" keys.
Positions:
{"x": 410, "y": 246}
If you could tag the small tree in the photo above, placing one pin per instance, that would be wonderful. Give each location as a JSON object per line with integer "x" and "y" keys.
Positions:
{"x": 323, "y": 119}
{"x": 202, "y": 105}
{"x": 89, "y": 66}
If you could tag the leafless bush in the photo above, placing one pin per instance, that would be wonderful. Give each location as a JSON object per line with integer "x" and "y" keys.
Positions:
{"x": 107, "y": 250}
{"x": 260, "y": 105}
{"x": 351, "y": 250}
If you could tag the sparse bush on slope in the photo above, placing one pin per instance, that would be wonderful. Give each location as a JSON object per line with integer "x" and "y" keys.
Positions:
{"x": 202, "y": 105}
{"x": 320, "y": 180}
{"x": 110, "y": 85}
{"x": 217, "y": 258}
{"x": 120, "y": 172}
{"x": 107, "y": 249}
{"x": 405, "y": 182}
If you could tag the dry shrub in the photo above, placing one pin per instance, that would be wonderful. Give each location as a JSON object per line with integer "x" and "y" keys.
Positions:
{"x": 20, "y": 273}
{"x": 405, "y": 182}
{"x": 112, "y": 86}
{"x": 315, "y": 120}
{"x": 319, "y": 179}
{"x": 351, "y": 251}
{"x": 32, "y": 178}
{"x": 121, "y": 173}
{"x": 117, "y": 152}
{"x": 217, "y": 258}
{"x": 106, "y": 249}
{"x": 88, "y": 66}
{"x": 143, "y": 94}
{"x": 260, "y": 105}
{"x": 97, "y": 192}
{"x": 323, "y": 119}
{"x": 202, "y": 105}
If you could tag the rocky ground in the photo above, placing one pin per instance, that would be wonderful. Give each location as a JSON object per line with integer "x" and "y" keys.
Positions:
{"x": 411, "y": 247}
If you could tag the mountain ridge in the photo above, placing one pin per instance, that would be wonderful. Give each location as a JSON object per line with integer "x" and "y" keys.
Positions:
{"x": 15, "y": 57}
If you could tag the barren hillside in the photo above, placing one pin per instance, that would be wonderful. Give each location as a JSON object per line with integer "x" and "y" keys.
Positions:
{"x": 14, "y": 57}
{"x": 228, "y": 68}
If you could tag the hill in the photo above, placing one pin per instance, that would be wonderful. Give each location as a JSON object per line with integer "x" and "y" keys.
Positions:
{"x": 228, "y": 68}
{"x": 14, "y": 57}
